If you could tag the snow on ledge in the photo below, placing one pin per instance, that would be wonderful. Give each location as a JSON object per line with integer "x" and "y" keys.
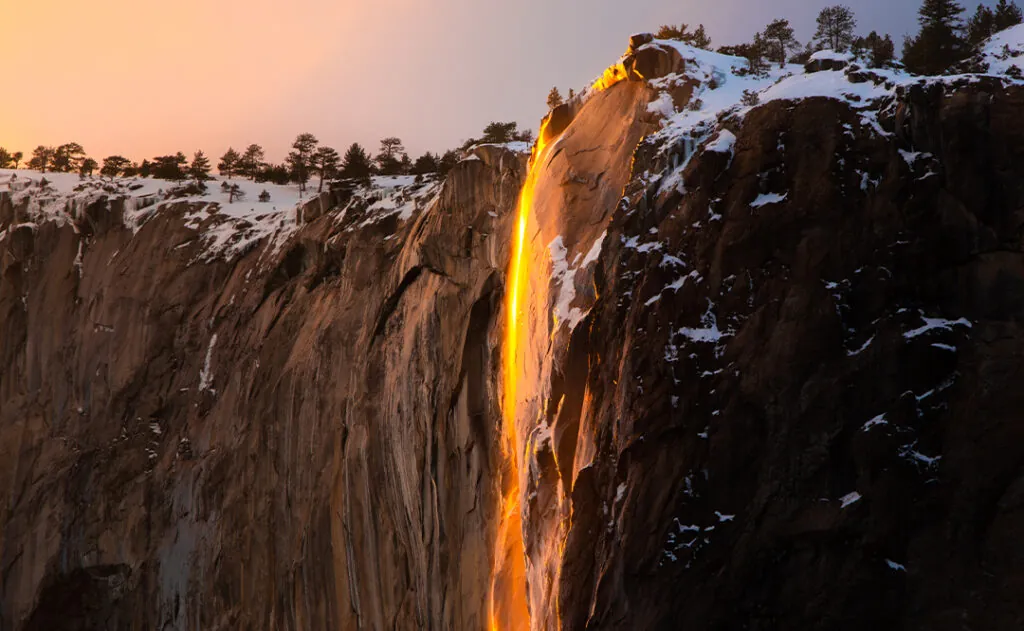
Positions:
{"x": 831, "y": 55}
{"x": 764, "y": 199}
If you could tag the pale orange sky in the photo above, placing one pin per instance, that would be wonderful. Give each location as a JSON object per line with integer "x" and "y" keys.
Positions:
{"x": 149, "y": 77}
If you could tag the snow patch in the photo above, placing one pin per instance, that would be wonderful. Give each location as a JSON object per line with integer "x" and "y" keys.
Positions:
{"x": 878, "y": 420}
{"x": 849, "y": 498}
{"x": 724, "y": 142}
{"x": 831, "y": 55}
{"x": 206, "y": 375}
{"x": 709, "y": 331}
{"x": 564, "y": 276}
{"x": 662, "y": 106}
{"x": 860, "y": 350}
{"x": 768, "y": 198}
{"x": 937, "y": 324}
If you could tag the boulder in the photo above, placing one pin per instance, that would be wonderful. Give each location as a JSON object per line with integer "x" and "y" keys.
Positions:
{"x": 653, "y": 62}
{"x": 638, "y": 40}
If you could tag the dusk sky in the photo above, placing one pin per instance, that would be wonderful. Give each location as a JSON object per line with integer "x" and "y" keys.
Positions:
{"x": 144, "y": 78}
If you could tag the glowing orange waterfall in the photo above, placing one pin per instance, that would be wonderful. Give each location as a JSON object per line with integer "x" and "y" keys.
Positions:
{"x": 508, "y": 610}
{"x": 509, "y": 607}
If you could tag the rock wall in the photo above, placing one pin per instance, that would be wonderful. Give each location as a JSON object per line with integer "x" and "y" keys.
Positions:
{"x": 782, "y": 396}
{"x": 294, "y": 439}
{"x": 805, "y": 411}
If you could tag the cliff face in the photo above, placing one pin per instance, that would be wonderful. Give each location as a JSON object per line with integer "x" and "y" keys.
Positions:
{"x": 292, "y": 439}
{"x": 820, "y": 426}
{"x": 766, "y": 379}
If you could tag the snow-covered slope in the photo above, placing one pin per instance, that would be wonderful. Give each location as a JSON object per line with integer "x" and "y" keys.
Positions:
{"x": 724, "y": 91}
{"x": 229, "y": 225}
{"x": 1004, "y": 53}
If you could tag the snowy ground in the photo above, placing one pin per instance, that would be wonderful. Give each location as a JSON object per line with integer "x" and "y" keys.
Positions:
{"x": 65, "y": 185}
{"x": 227, "y": 228}
{"x": 1005, "y": 51}
{"x": 722, "y": 83}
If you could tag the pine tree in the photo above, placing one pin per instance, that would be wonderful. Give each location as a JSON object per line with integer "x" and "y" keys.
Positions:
{"x": 682, "y": 33}
{"x": 391, "y": 147}
{"x": 251, "y": 161}
{"x": 756, "y": 52}
{"x": 427, "y": 163}
{"x": 17, "y": 156}
{"x": 882, "y": 50}
{"x": 499, "y": 133}
{"x": 1007, "y": 14}
{"x": 169, "y": 167}
{"x": 87, "y": 167}
{"x": 940, "y": 44}
{"x": 42, "y": 157}
{"x": 447, "y": 162}
{"x": 753, "y": 52}
{"x": 228, "y": 165}
{"x": 325, "y": 164}
{"x": 300, "y": 160}
{"x": 67, "y": 158}
{"x": 279, "y": 174}
{"x": 981, "y": 25}
{"x": 803, "y": 57}
{"x": 199, "y": 170}
{"x": 554, "y": 98}
{"x": 5, "y": 159}
{"x": 670, "y": 31}
{"x": 356, "y": 164}
{"x": 780, "y": 40}
{"x": 835, "y": 28}
{"x": 114, "y": 166}
{"x": 389, "y": 160}
{"x": 699, "y": 39}
{"x": 235, "y": 192}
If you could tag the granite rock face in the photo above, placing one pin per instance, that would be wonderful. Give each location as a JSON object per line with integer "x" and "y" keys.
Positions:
{"x": 820, "y": 428}
{"x": 781, "y": 396}
{"x": 297, "y": 438}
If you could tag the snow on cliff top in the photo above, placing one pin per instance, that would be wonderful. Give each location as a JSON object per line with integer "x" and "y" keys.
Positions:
{"x": 234, "y": 227}
{"x": 1005, "y": 51}
{"x": 63, "y": 186}
{"x": 227, "y": 227}
{"x": 722, "y": 80}
{"x": 724, "y": 88}
{"x": 831, "y": 55}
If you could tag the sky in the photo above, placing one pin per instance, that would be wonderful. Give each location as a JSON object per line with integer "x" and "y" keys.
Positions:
{"x": 142, "y": 78}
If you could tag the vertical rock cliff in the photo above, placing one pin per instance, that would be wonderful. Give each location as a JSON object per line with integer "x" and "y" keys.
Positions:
{"x": 765, "y": 374}
{"x": 299, "y": 437}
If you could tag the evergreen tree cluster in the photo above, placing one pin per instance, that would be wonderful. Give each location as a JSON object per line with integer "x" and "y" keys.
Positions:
{"x": 944, "y": 40}
{"x": 698, "y": 38}
{"x": 10, "y": 159}
{"x": 499, "y": 133}
{"x": 308, "y": 160}
{"x": 66, "y": 158}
